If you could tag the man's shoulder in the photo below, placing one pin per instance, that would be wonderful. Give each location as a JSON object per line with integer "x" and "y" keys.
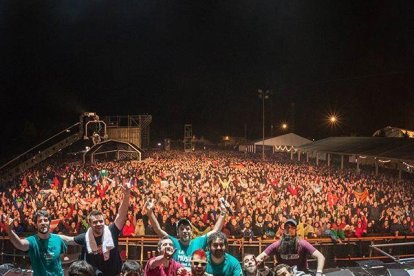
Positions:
{"x": 303, "y": 242}
{"x": 80, "y": 239}
{"x": 174, "y": 239}
{"x": 230, "y": 258}
{"x": 55, "y": 237}
{"x": 114, "y": 229}
{"x": 306, "y": 245}
{"x": 200, "y": 238}
{"x": 31, "y": 239}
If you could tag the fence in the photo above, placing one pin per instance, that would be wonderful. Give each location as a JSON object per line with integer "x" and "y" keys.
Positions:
{"x": 336, "y": 254}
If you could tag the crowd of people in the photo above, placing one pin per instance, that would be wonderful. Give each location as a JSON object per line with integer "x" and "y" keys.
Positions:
{"x": 326, "y": 201}
{"x": 195, "y": 202}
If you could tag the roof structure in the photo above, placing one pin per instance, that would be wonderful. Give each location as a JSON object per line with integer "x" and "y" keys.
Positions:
{"x": 290, "y": 139}
{"x": 390, "y": 131}
{"x": 380, "y": 147}
{"x": 113, "y": 149}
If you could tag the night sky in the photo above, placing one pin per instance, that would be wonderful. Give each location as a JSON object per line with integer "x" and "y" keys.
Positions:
{"x": 202, "y": 62}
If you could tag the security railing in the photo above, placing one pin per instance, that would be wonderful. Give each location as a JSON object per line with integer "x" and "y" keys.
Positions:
{"x": 337, "y": 254}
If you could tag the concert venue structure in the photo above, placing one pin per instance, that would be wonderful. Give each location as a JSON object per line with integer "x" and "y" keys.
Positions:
{"x": 359, "y": 215}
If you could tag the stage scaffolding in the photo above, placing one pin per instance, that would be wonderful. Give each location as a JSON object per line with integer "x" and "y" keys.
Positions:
{"x": 133, "y": 129}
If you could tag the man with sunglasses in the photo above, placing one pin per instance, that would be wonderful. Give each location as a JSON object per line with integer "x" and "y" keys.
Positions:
{"x": 199, "y": 263}
{"x": 292, "y": 250}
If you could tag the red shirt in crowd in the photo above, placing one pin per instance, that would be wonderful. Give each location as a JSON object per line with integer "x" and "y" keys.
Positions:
{"x": 128, "y": 230}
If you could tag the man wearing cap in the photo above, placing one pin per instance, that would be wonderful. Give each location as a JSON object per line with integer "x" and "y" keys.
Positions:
{"x": 292, "y": 250}
{"x": 184, "y": 244}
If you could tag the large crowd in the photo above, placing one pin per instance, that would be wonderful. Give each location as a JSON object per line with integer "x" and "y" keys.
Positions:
{"x": 326, "y": 201}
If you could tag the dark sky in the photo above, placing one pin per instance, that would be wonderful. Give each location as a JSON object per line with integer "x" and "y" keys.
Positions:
{"x": 201, "y": 62}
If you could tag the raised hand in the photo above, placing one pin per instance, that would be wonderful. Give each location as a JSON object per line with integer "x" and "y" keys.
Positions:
{"x": 182, "y": 272}
{"x": 8, "y": 223}
{"x": 150, "y": 204}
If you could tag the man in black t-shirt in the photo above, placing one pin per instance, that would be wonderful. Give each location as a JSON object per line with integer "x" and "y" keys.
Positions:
{"x": 100, "y": 242}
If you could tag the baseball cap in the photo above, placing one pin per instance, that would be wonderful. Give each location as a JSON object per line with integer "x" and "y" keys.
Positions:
{"x": 183, "y": 221}
{"x": 291, "y": 222}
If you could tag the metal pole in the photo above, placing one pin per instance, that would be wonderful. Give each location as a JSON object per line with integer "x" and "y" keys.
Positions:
{"x": 263, "y": 125}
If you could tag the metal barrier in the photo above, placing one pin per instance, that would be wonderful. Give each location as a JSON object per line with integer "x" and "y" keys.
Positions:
{"x": 336, "y": 254}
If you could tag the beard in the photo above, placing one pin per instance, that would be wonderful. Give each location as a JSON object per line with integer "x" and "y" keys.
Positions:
{"x": 289, "y": 245}
{"x": 97, "y": 231}
{"x": 185, "y": 237}
{"x": 43, "y": 229}
{"x": 218, "y": 253}
{"x": 250, "y": 269}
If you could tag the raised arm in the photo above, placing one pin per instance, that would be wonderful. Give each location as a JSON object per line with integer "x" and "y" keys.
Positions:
{"x": 320, "y": 259}
{"x": 21, "y": 244}
{"x": 123, "y": 208}
{"x": 68, "y": 240}
{"x": 220, "y": 221}
{"x": 149, "y": 206}
{"x": 261, "y": 258}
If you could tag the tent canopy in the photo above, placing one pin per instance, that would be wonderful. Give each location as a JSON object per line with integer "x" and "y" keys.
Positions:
{"x": 390, "y": 148}
{"x": 290, "y": 139}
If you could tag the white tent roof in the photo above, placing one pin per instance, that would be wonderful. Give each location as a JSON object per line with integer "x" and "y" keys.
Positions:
{"x": 290, "y": 139}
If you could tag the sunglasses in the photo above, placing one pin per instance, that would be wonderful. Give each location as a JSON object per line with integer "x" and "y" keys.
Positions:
{"x": 199, "y": 263}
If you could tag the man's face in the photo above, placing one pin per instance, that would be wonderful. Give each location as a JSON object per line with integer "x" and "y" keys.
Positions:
{"x": 166, "y": 246}
{"x": 185, "y": 232}
{"x": 283, "y": 272}
{"x": 290, "y": 230}
{"x": 198, "y": 265}
{"x": 218, "y": 248}
{"x": 97, "y": 224}
{"x": 249, "y": 264}
{"x": 43, "y": 225}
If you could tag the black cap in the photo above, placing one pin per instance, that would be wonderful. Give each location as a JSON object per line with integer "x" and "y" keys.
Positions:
{"x": 291, "y": 222}
{"x": 183, "y": 221}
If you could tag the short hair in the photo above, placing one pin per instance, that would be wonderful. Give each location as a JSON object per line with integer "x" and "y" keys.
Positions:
{"x": 40, "y": 213}
{"x": 81, "y": 268}
{"x": 248, "y": 255}
{"x": 217, "y": 235}
{"x": 131, "y": 266}
{"x": 162, "y": 239}
{"x": 281, "y": 266}
{"x": 95, "y": 213}
{"x": 199, "y": 252}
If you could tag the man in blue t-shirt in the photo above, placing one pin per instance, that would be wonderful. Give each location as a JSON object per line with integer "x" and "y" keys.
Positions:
{"x": 184, "y": 243}
{"x": 44, "y": 248}
{"x": 221, "y": 263}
